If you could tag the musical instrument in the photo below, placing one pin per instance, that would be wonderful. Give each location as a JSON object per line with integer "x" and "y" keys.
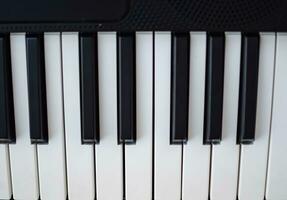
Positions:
{"x": 143, "y": 99}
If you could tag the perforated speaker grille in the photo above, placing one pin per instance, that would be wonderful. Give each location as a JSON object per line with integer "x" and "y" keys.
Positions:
{"x": 202, "y": 14}
{"x": 220, "y": 13}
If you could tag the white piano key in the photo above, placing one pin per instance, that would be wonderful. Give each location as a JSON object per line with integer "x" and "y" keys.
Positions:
{"x": 253, "y": 162}
{"x": 5, "y": 182}
{"x": 138, "y": 157}
{"x": 167, "y": 157}
{"x": 225, "y": 156}
{"x": 80, "y": 158}
{"x": 23, "y": 155}
{"x": 52, "y": 174}
{"x": 277, "y": 174}
{"x": 109, "y": 161}
{"x": 196, "y": 156}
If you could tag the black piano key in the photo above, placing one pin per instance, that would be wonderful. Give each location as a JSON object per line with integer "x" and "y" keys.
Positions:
{"x": 214, "y": 80}
{"x": 248, "y": 88}
{"x": 179, "y": 88}
{"x": 89, "y": 88}
{"x": 7, "y": 121}
{"x": 37, "y": 88}
{"x": 126, "y": 80}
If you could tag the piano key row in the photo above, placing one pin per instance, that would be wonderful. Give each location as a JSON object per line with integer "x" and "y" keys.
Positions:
{"x": 126, "y": 89}
{"x": 103, "y": 88}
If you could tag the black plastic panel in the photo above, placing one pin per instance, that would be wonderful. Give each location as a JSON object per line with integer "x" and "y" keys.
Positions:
{"x": 144, "y": 15}
{"x": 68, "y": 11}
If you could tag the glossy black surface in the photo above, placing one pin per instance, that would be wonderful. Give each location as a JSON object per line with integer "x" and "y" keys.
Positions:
{"x": 89, "y": 88}
{"x": 7, "y": 121}
{"x": 214, "y": 80}
{"x": 37, "y": 88}
{"x": 63, "y": 10}
{"x": 180, "y": 45}
{"x": 248, "y": 88}
{"x": 126, "y": 79}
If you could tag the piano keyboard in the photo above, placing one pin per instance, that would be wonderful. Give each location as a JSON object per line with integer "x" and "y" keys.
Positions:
{"x": 144, "y": 115}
